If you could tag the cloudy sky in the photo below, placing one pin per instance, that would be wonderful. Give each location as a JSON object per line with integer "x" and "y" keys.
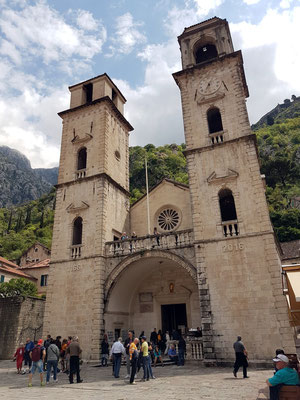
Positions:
{"x": 48, "y": 45}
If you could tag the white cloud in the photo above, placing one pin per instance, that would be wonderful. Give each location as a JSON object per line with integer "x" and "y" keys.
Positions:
{"x": 285, "y": 3}
{"x": 271, "y": 51}
{"x": 251, "y": 2}
{"x": 154, "y": 108}
{"x": 126, "y": 36}
{"x": 86, "y": 21}
{"x": 40, "y": 31}
{"x": 205, "y": 6}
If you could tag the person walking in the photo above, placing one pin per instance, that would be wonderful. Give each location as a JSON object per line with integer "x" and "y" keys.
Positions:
{"x": 29, "y": 345}
{"x": 153, "y": 337}
{"x": 75, "y": 351}
{"x": 240, "y": 357}
{"x": 127, "y": 344}
{"x": 37, "y": 356}
{"x": 133, "y": 353}
{"x": 52, "y": 361}
{"x": 104, "y": 351}
{"x": 117, "y": 350}
{"x": 167, "y": 341}
{"x": 157, "y": 355}
{"x": 19, "y": 356}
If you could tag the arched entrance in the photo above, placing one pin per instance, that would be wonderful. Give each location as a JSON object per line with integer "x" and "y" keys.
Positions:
{"x": 151, "y": 290}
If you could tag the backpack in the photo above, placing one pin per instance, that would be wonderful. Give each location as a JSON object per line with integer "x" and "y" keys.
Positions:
{"x": 36, "y": 353}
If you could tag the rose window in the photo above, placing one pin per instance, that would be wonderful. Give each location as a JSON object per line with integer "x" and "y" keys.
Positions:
{"x": 168, "y": 219}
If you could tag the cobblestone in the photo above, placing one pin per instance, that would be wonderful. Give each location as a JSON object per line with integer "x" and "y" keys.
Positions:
{"x": 190, "y": 382}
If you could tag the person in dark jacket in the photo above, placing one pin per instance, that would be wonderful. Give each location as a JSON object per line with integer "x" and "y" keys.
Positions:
{"x": 104, "y": 351}
{"x": 240, "y": 357}
{"x": 181, "y": 351}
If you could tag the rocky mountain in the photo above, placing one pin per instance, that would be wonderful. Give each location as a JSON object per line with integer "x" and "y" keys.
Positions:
{"x": 19, "y": 183}
{"x": 287, "y": 110}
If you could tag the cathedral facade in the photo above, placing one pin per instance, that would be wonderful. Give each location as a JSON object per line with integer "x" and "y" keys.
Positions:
{"x": 214, "y": 263}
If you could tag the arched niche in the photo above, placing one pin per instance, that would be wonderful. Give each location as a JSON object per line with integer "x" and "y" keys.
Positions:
{"x": 81, "y": 158}
{"x": 77, "y": 231}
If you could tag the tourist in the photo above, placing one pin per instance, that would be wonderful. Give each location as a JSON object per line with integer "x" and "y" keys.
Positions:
{"x": 46, "y": 345}
{"x": 29, "y": 345}
{"x": 146, "y": 359}
{"x": 157, "y": 355}
{"x": 172, "y": 354}
{"x": 133, "y": 353}
{"x": 127, "y": 344}
{"x": 285, "y": 375}
{"x": 58, "y": 342}
{"x": 134, "y": 235}
{"x": 67, "y": 356}
{"x": 278, "y": 351}
{"x": 117, "y": 350}
{"x": 75, "y": 351}
{"x": 63, "y": 354}
{"x": 132, "y": 242}
{"x": 198, "y": 332}
{"x": 37, "y": 355}
{"x": 167, "y": 339}
{"x": 52, "y": 360}
{"x": 153, "y": 337}
{"x": 181, "y": 351}
{"x": 124, "y": 236}
{"x": 159, "y": 339}
{"x": 156, "y": 234}
{"x": 240, "y": 357}
{"x": 104, "y": 351}
{"x": 19, "y": 356}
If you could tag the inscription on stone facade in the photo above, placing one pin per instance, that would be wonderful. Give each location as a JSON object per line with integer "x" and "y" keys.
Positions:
{"x": 233, "y": 247}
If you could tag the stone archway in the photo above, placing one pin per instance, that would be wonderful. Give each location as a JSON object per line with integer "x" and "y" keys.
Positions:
{"x": 140, "y": 287}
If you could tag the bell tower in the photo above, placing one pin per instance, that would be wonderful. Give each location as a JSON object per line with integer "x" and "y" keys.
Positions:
{"x": 92, "y": 206}
{"x": 239, "y": 269}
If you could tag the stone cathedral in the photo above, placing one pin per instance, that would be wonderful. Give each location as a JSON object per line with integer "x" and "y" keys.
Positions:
{"x": 215, "y": 262}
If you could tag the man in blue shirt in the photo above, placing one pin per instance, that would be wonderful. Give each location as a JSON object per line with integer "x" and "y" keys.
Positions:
{"x": 284, "y": 376}
{"x": 28, "y": 348}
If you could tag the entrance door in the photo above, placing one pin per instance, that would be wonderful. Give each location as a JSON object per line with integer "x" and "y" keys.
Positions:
{"x": 172, "y": 316}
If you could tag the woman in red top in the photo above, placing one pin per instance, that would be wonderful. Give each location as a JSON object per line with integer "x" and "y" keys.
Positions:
{"x": 19, "y": 355}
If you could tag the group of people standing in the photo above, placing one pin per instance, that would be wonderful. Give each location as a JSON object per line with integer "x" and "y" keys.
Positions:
{"x": 139, "y": 353}
{"x": 45, "y": 355}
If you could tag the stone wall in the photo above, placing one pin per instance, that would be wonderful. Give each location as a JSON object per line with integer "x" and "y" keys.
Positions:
{"x": 19, "y": 318}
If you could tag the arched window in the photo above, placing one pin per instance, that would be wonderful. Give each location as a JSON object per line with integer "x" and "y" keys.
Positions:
{"x": 214, "y": 120}
{"x": 81, "y": 159}
{"x": 227, "y": 206}
{"x": 77, "y": 231}
{"x": 206, "y": 52}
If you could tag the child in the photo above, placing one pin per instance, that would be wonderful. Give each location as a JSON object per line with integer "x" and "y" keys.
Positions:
{"x": 157, "y": 355}
{"x": 18, "y": 356}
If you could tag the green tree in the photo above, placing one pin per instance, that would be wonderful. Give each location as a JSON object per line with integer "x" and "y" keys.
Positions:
{"x": 18, "y": 287}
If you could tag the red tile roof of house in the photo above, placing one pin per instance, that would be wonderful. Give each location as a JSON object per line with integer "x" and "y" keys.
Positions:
{"x": 11, "y": 268}
{"x": 40, "y": 264}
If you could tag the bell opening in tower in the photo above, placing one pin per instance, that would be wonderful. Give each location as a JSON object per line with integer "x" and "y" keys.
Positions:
{"x": 206, "y": 52}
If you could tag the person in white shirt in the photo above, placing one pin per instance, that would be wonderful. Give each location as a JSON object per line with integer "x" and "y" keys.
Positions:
{"x": 116, "y": 352}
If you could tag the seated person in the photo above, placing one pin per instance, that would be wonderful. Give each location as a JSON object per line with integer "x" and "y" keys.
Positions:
{"x": 285, "y": 375}
{"x": 172, "y": 354}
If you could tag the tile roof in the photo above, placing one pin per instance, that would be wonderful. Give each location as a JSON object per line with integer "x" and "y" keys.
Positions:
{"x": 11, "y": 268}
{"x": 290, "y": 249}
{"x": 40, "y": 264}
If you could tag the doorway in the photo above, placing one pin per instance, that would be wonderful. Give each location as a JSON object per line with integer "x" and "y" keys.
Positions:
{"x": 173, "y": 316}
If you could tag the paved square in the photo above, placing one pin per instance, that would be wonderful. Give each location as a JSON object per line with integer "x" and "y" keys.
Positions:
{"x": 189, "y": 382}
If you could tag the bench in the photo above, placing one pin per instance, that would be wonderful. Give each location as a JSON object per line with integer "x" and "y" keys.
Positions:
{"x": 289, "y": 393}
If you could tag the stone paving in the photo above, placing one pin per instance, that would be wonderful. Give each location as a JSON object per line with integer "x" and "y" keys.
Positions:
{"x": 190, "y": 382}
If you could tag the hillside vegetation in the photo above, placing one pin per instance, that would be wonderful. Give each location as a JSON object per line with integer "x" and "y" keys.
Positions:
{"x": 279, "y": 150}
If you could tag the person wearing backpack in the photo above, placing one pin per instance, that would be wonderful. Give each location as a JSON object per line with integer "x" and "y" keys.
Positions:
{"x": 52, "y": 360}
{"x": 37, "y": 356}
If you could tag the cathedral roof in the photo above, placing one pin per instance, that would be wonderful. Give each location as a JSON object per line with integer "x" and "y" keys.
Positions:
{"x": 175, "y": 183}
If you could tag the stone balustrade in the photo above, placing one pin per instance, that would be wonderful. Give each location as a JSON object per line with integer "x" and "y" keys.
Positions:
{"x": 81, "y": 173}
{"x": 194, "y": 348}
{"x": 76, "y": 251}
{"x": 163, "y": 241}
{"x": 230, "y": 228}
{"x": 216, "y": 137}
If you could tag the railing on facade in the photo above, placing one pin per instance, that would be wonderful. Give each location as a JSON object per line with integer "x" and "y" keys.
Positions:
{"x": 81, "y": 173}
{"x": 169, "y": 240}
{"x": 194, "y": 348}
{"x": 230, "y": 228}
{"x": 76, "y": 251}
{"x": 216, "y": 137}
